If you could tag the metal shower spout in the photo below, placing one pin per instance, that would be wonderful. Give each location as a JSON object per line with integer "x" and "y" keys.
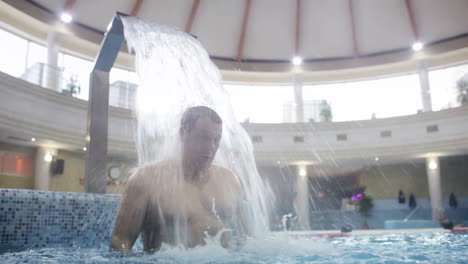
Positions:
{"x": 111, "y": 44}
{"x": 98, "y": 106}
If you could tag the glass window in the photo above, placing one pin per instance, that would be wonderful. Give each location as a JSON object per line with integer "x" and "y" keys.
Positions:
{"x": 259, "y": 103}
{"x": 396, "y": 96}
{"x": 13, "y": 52}
{"x": 36, "y": 53}
{"x": 76, "y": 73}
{"x": 36, "y": 71}
{"x": 443, "y": 86}
{"x": 123, "y": 85}
{"x": 117, "y": 74}
{"x": 133, "y": 77}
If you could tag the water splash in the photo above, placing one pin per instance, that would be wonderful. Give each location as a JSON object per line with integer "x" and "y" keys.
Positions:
{"x": 177, "y": 73}
{"x": 284, "y": 220}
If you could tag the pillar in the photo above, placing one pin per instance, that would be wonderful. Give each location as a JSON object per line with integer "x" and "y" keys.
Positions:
{"x": 52, "y": 74}
{"x": 298, "y": 102}
{"x": 42, "y": 168}
{"x": 302, "y": 197}
{"x": 435, "y": 189}
{"x": 424, "y": 85}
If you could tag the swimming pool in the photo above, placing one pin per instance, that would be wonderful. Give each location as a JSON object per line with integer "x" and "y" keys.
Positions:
{"x": 440, "y": 247}
{"x": 60, "y": 227}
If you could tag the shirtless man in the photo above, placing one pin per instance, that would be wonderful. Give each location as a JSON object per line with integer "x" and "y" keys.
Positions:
{"x": 180, "y": 201}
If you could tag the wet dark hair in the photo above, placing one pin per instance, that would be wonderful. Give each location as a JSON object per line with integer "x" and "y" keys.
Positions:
{"x": 192, "y": 114}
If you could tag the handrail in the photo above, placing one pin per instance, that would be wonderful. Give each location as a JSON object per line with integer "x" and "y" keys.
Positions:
{"x": 411, "y": 213}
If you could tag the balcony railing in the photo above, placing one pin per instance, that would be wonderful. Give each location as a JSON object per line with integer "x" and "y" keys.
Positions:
{"x": 121, "y": 94}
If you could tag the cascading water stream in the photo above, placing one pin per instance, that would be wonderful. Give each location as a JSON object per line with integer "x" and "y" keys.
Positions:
{"x": 177, "y": 73}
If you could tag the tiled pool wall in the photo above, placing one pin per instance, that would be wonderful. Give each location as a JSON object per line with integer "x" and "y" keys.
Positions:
{"x": 36, "y": 219}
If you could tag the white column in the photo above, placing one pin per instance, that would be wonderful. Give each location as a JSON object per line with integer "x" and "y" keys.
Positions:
{"x": 42, "y": 168}
{"x": 51, "y": 72}
{"x": 424, "y": 85}
{"x": 435, "y": 189}
{"x": 299, "y": 105}
{"x": 302, "y": 199}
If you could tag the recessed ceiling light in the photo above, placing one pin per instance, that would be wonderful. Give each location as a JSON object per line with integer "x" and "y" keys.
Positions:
{"x": 297, "y": 60}
{"x": 376, "y": 158}
{"x": 84, "y": 149}
{"x": 66, "y": 17}
{"x": 33, "y": 139}
{"x": 417, "y": 46}
{"x": 432, "y": 165}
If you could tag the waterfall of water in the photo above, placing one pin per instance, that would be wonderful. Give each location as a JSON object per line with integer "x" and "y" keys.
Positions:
{"x": 177, "y": 73}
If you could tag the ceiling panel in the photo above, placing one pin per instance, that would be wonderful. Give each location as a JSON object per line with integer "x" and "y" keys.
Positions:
{"x": 173, "y": 13}
{"x": 437, "y": 20}
{"x": 381, "y": 26}
{"x": 98, "y": 14}
{"x": 218, "y": 26}
{"x": 270, "y": 32}
{"x": 52, "y": 4}
{"x": 322, "y": 34}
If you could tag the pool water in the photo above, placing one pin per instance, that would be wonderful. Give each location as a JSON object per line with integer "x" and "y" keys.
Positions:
{"x": 398, "y": 248}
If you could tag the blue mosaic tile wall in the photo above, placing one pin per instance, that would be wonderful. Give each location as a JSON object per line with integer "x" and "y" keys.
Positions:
{"x": 35, "y": 219}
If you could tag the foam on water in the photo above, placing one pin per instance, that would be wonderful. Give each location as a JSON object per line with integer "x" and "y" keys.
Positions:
{"x": 397, "y": 248}
{"x": 261, "y": 250}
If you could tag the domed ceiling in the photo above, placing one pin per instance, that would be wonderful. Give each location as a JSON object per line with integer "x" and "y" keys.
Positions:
{"x": 274, "y": 31}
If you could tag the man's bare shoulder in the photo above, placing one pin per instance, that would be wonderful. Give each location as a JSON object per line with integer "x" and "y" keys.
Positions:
{"x": 152, "y": 172}
{"x": 225, "y": 175}
{"x": 219, "y": 169}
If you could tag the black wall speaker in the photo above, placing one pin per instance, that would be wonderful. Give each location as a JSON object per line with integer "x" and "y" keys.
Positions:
{"x": 58, "y": 166}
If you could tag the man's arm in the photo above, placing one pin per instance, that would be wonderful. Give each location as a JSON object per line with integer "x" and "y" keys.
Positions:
{"x": 131, "y": 215}
{"x": 239, "y": 200}
{"x": 242, "y": 216}
{"x": 237, "y": 220}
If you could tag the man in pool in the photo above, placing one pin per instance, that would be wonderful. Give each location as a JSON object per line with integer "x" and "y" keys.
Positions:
{"x": 182, "y": 201}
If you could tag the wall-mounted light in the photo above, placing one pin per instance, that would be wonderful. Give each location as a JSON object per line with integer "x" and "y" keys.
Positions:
{"x": 48, "y": 157}
{"x": 297, "y": 60}
{"x": 417, "y": 46}
{"x": 114, "y": 173}
{"x": 302, "y": 172}
{"x": 66, "y": 17}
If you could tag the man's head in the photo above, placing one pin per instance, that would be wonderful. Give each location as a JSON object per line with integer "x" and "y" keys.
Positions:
{"x": 200, "y": 131}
